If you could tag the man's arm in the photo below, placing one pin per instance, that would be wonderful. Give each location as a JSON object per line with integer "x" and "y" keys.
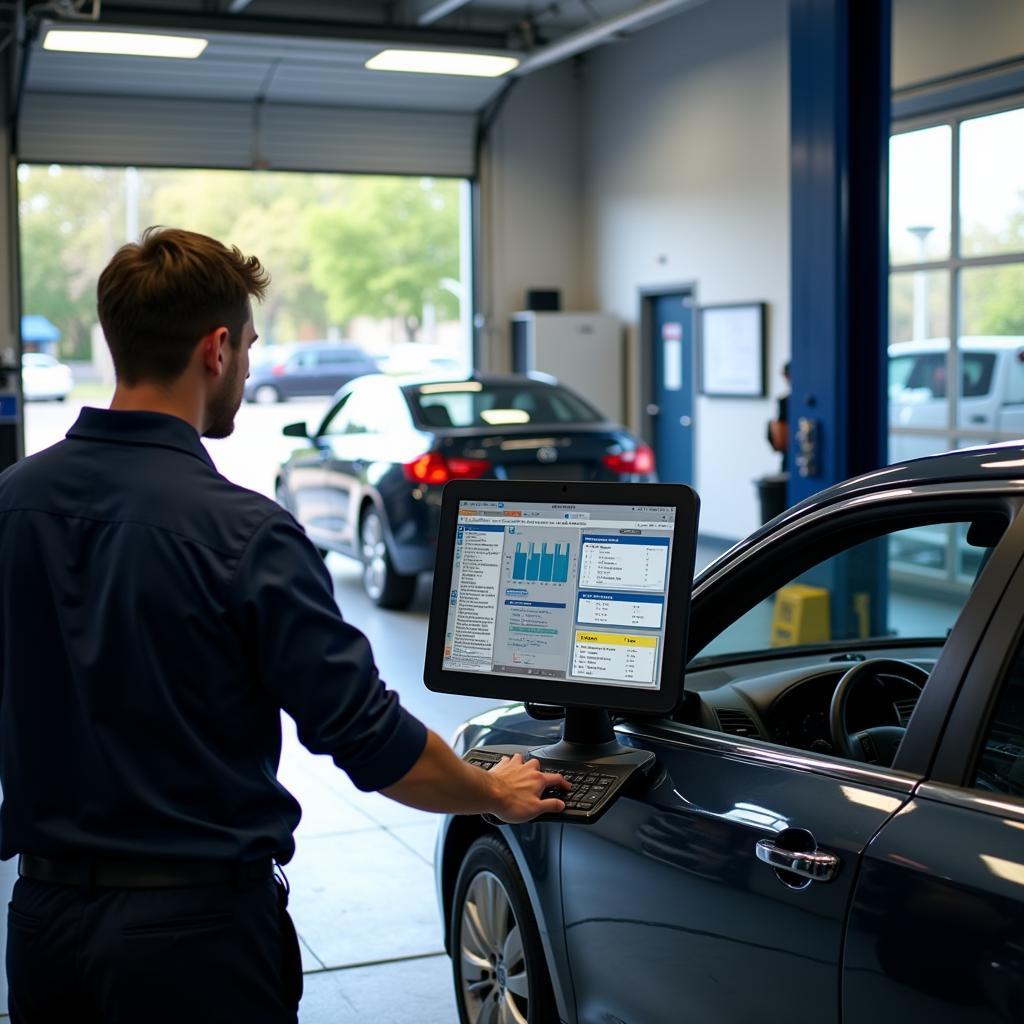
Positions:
{"x": 441, "y": 781}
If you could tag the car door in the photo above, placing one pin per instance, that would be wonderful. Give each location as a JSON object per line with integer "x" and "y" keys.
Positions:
{"x": 307, "y": 492}
{"x": 301, "y": 376}
{"x": 936, "y": 929}
{"x": 356, "y": 446}
{"x": 670, "y": 915}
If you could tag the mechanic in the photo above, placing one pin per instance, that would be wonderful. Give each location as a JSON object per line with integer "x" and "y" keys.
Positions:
{"x": 154, "y": 621}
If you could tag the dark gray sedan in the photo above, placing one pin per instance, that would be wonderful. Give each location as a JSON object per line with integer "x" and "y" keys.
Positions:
{"x": 835, "y": 832}
{"x": 368, "y": 481}
{"x": 310, "y": 368}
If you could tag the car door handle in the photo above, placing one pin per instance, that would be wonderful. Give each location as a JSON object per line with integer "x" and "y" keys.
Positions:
{"x": 815, "y": 866}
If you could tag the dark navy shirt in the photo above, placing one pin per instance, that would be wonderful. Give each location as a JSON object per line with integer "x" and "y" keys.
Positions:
{"x": 154, "y": 619}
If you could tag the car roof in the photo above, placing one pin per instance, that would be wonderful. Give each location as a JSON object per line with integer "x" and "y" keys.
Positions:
{"x": 970, "y": 343}
{"x": 493, "y": 379}
{"x": 982, "y": 465}
{"x": 316, "y": 346}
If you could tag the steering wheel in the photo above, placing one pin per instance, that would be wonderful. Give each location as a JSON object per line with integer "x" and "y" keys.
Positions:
{"x": 879, "y": 743}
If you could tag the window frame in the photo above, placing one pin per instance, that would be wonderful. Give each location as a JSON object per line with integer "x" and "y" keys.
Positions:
{"x": 953, "y": 267}
{"x": 996, "y": 650}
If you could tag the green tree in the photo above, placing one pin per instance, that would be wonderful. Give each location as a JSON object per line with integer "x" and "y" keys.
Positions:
{"x": 70, "y": 223}
{"x": 387, "y": 251}
{"x": 261, "y": 213}
{"x": 993, "y": 297}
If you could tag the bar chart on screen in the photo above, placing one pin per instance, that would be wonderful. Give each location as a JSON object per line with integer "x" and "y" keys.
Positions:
{"x": 537, "y": 562}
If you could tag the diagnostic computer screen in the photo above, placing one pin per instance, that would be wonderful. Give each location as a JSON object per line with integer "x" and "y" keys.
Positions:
{"x": 560, "y": 591}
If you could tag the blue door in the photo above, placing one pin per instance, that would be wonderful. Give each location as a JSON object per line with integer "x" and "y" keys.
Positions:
{"x": 670, "y": 405}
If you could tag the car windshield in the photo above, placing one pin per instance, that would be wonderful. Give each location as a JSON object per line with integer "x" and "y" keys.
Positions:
{"x": 36, "y": 359}
{"x": 479, "y": 404}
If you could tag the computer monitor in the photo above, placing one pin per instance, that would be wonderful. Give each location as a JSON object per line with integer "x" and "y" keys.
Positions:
{"x": 573, "y": 594}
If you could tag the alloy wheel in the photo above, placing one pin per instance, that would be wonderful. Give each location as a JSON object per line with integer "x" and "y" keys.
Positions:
{"x": 495, "y": 983}
{"x": 375, "y": 555}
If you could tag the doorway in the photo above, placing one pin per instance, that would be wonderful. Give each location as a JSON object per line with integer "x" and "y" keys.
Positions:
{"x": 668, "y": 322}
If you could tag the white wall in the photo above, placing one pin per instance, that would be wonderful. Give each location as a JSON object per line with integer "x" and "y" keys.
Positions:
{"x": 530, "y": 203}
{"x": 686, "y": 157}
{"x": 935, "y": 38}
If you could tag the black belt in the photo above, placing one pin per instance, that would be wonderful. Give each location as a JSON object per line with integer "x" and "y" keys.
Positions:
{"x": 142, "y": 874}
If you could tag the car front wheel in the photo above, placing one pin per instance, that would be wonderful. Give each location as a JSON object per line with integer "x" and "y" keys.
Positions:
{"x": 266, "y": 394}
{"x": 497, "y": 961}
{"x": 383, "y": 585}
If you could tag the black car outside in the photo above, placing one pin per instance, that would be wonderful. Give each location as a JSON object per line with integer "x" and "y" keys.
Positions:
{"x": 305, "y": 369}
{"x": 368, "y": 483}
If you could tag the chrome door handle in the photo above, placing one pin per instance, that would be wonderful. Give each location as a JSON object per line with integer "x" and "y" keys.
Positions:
{"x": 816, "y": 866}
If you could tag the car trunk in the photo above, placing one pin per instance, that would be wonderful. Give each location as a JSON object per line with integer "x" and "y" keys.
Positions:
{"x": 567, "y": 455}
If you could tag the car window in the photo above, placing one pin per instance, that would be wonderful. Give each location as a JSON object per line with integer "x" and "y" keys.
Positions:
{"x": 336, "y": 421}
{"x": 1015, "y": 383}
{"x": 1001, "y": 764}
{"x": 302, "y": 361}
{"x": 909, "y": 583}
{"x": 925, "y": 372}
{"x": 340, "y": 357}
{"x": 479, "y": 404}
{"x": 364, "y": 413}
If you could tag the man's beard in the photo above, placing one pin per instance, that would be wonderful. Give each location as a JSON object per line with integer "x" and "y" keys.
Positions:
{"x": 220, "y": 413}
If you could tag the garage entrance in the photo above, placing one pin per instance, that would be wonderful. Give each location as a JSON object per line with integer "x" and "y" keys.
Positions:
{"x": 370, "y": 273}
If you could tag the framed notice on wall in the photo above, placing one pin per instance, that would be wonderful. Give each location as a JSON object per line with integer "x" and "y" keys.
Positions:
{"x": 731, "y": 352}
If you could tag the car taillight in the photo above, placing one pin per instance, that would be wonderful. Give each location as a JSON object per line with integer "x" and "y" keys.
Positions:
{"x": 639, "y": 460}
{"x": 434, "y": 468}
{"x": 278, "y": 371}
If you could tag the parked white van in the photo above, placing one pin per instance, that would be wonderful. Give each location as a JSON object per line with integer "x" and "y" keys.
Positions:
{"x": 991, "y": 393}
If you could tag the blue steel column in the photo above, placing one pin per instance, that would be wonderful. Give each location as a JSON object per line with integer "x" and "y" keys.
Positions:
{"x": 840, "y": 96}
{"x": 839, "y": 128}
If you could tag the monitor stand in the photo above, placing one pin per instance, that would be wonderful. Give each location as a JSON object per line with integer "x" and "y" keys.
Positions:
{"x": 587, "y": 735}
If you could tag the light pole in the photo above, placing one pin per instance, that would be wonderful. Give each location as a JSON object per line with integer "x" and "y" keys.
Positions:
{"x": 921, "y": 233}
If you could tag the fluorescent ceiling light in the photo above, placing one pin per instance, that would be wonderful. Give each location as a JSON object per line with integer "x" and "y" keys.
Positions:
{"x": 126, "y": 44}
{"x": 441, "y": 62}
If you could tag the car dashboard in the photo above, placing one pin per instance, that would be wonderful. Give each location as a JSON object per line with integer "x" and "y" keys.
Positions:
{"x": 787, "y": 700}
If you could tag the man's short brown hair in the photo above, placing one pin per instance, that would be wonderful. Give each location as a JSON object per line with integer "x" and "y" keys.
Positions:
{"x": 158, "y": 297}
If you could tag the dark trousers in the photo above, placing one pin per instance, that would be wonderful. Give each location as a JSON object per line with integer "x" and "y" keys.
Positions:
{"x": 152, "y": 956}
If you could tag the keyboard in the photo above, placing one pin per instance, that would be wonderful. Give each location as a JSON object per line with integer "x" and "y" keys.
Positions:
{"x": 595, "y": 786}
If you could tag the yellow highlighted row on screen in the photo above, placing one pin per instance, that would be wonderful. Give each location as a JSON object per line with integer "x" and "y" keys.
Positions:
{"x": 619, "y": 639}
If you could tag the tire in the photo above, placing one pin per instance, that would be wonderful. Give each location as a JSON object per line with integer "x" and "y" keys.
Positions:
{"x": 496, "y": 955}
{"x": 281, "y": 495}
{"x": 266, "y": 394}
{"x": 384, "y": 586}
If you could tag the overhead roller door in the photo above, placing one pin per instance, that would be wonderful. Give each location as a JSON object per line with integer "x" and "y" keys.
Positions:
{"x": 385, "y": 141}
{"x": 158, "y": 132}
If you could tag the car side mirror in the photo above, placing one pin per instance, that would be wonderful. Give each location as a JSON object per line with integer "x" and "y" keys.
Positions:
{"x": 296, "y": 430}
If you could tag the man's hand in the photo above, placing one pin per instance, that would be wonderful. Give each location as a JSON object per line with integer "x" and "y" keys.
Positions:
{"x": 511, "y": 790}
{"x": 520, "y": 784}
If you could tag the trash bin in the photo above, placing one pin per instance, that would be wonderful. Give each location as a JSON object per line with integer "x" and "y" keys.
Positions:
{"x": 771, "y": 490}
